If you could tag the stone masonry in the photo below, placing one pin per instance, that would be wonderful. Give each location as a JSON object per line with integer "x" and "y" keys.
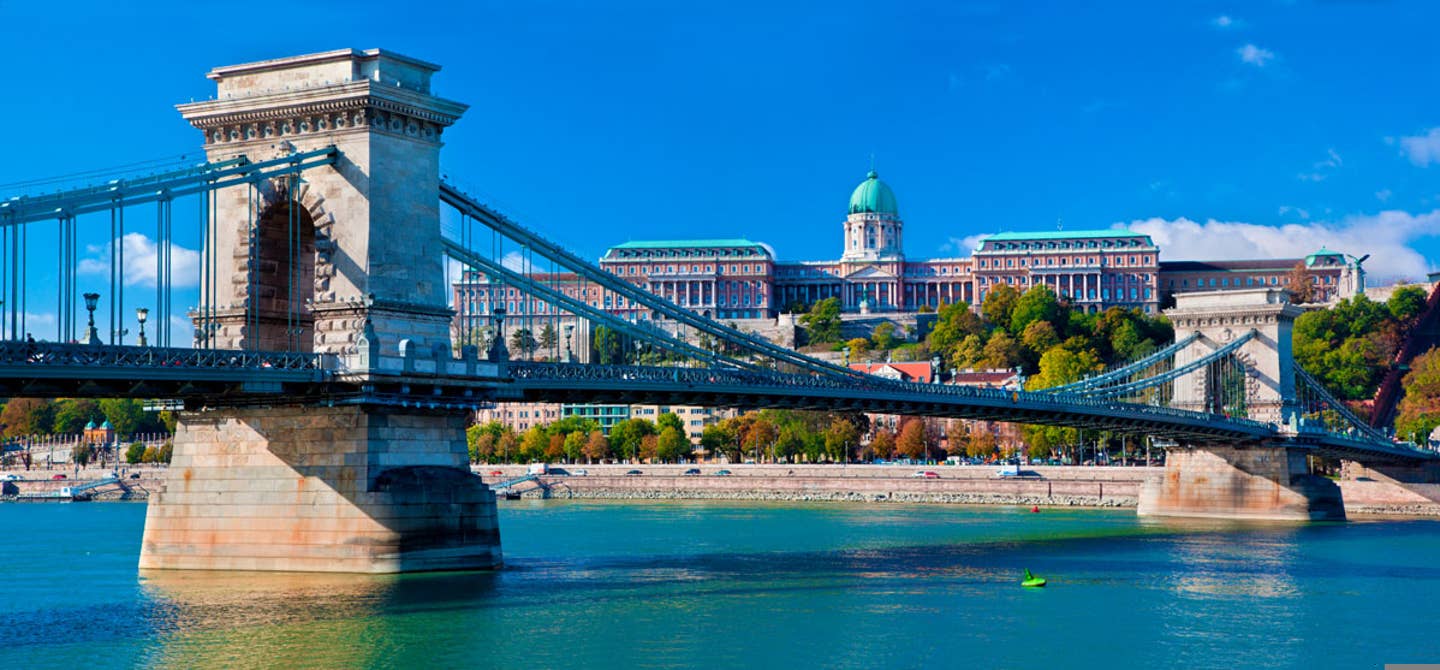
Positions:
{"x": 331, "y": 489}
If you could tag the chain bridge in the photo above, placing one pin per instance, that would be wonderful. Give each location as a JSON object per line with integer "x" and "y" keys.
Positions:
{"x": 326, "y": 384}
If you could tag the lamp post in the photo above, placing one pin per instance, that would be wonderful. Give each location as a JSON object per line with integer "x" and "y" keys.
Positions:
{"x": 569, "y": 353}
{"x": 91, "y": 337}
{"x": 935, "y": 370}
{"x": 846, "y": 351}
{"x": 142, "y": 313}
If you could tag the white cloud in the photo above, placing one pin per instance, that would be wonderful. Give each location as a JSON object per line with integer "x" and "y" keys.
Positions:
{"x": 517, "y": 262}
{"x": 140, "y": 255}
{"x": 1226, "y": 22}
{"x": 1286, "y": 209}
{"x": 1422, "y": 149}
{"x": 1254, "y": 55}
{"x": 1322, "y": 169}
{"x": 1386, "y": 235}
{"x": 1383, "y": 195}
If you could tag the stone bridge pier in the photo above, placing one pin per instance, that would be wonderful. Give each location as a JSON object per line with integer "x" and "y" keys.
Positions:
{"x": 1244, "y": 481}
{"x": 343, "y": 257}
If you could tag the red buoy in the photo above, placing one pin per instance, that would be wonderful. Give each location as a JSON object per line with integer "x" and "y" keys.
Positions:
{"x": 1035, "y": 509}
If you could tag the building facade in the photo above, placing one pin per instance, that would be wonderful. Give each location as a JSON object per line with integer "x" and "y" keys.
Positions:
{"x": 742, "y": 279}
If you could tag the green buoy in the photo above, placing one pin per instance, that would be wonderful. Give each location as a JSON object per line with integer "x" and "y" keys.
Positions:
{"x": 1031, "y": 581}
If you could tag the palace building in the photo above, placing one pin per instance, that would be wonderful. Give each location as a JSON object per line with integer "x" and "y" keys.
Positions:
{"x": 732, "y": 279}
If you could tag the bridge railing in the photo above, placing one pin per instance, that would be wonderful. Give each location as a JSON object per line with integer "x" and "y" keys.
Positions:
{"x": 54, "y": 354}
{"x": 759, "y": 380}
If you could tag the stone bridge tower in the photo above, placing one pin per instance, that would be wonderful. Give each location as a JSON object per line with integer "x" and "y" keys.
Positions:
{"x": 1221, "y": 317}
{"x": 367, "y": 226}
{"x": 1247, "y": 481}
{"x": 366, "y": 485}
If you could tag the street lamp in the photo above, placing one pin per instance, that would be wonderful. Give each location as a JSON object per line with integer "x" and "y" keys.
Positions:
{"x": 846, "y": 351}
{"x": 569, "y": 354}
{"x": 935, "y": 370}
{"x": 91, "y": 337}
{"x": 142, "y": 313}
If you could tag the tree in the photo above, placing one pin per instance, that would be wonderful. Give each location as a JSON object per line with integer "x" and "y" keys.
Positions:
{"x": 841, "y": 436}
{"x": 912, "y": 442}
{"x": 522, "y": 341}
{"x": 669, "y": 420}
{"x": 1062, "y": 366}
{"x": 27, "y": 416}
{"x": 980, "y": 443}
{"x": 649, "y": 448}
{"x": 134, "y": 453}
{"x": 884, "y": 336}
{"x": 80, "y": 454}
{"x": 505, "y": 447}
{"x": 858, "y": 346}
{"x": 1300, "y": 285}
{"x": 72, "y": 414}
{"x": 1406, "y": 304}
{"x": 671, "y": 444}
{"x": 555, "y": 450}
{"x": 999, "y": 304}
{"x": 597, "y": 448}
{"x": 822, "y": 322}
{"x": 533, "y": 444}
{"x": 1419, "y": 412}
{"x": 125, "y": 415}
{"x": 759, "y": 436}
{"x": 954, "y": 324}
{"x": 1037, "y": 304}
{"x": 625, "y": 436}
{"x": 1002, "y": 351}
{"x": 883, "y": 444}
{"x": 1039, "y": 337}
{"x": 717, "y": 437}
{"x": 607, "y": 345}
{"x": 548, "y": 339}
{"x": 575, "y": 446}
{"x": 968, "y": 353}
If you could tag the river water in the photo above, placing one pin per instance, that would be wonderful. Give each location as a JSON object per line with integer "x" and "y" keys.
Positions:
{"x": 723, "y": 585}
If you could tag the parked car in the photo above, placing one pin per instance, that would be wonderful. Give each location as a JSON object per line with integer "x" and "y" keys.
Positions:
{"x": 581, "y": 472}
{"x": 723, "y": 473}
{"x": 496, "y": 473}
{"x": 926, "y": 474}
{"x": 559, "y": 472}
{"x": 633, "y": 472}
{"x": 61, "y": 476}
{"x": 10, "y": 477}
{"x": 691, "y": 472}
{"x": 134, "y": 475}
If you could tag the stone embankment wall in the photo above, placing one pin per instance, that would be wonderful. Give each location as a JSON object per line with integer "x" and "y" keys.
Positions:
{"x": 1050, "y": 486}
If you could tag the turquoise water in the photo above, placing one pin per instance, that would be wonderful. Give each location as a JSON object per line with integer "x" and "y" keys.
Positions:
{"x": 721, "y": 584}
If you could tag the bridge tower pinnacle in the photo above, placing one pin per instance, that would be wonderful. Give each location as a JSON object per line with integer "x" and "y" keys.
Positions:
{"x": 376, "y": 107}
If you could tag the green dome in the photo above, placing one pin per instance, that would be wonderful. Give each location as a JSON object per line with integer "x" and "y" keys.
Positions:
{"x": 873, "y": 196}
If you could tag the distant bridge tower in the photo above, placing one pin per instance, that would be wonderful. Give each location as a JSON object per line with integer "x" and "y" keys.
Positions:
{"x": 368, "y": 226}
{"x": 363, "y": 485}
{"x": 1223, "y": 316}
{"x": 1249, "y": 481}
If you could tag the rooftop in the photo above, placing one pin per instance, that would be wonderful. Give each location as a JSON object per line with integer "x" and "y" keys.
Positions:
{"x": 1062, "y": 235}
{"x": 686, "y": 244}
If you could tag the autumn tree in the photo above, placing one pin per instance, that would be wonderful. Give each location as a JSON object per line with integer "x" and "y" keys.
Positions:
{"x": 841, "y": 436}
{"x": 1300, "y": 285}
{"x": 980, "y": 444}
{"x": 649, "y": 448}
{"x": 883, "y": 444}
{"x": 27, "y": 416}
{"x": 1419, "y": 413}
{"x": 999, "y": 305}
{"x": 913, "y": 442}
{"x": 597, "y": 447}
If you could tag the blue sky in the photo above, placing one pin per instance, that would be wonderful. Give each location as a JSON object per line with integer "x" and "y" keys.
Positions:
{"x": 1226, "y": 130}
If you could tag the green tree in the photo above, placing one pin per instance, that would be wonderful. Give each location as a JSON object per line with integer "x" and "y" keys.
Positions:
{"x": 999, "y": 304}
{"x": 80, "y": 454}
{"x": 126, "y": 415}
{"x": 953, "y": 324}
{"x": 548, "y": 339}
{"x": 533, "y": 444}
{"x": 1406, "y": 304}
{"x": 575, "y": 446}
{"x": 717, "y": 437}
{"x": 626, "y": 435}
{"x": 670, "y": 444}
{"x": 1037, "y": 338}
{"x": 522, "y": 342}
{"x": 822, "y": 322}
{"x": 27, "y": 416}
{"x": 669, "y": 420}
{"x": 1037, "y": 304}
{"x": 72, "y": 414}
{"x": 1062, "y": 366}
{"x": 884, "y": 336}
{"x": 607, "y": 345}
{"x": 968, "y": 353}
{"x": 134, "y": 453}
